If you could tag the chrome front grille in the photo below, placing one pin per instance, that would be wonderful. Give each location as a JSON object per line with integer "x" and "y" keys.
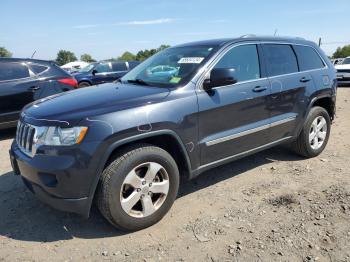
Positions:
{"x": 25, "y": 137}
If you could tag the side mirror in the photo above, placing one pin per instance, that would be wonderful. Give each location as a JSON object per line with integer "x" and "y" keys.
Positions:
{"x": 94, "y": 72}
{"x": 220, "y": 77}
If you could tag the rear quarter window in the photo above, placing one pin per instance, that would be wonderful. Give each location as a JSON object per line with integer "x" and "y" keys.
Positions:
{"x": 308, "y": 58}
{"x": 13, "y": 71}
{"x": 280, "y": 59}
{"x": 37, "y": 69}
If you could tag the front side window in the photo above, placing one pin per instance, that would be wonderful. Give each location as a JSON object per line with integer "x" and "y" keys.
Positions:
{"x": 103, "y": 68}
{"x": 280, "y": 59}
{"x": 170, "y": 67}
{"x": 244, "y": 60}
{"x": 12, "y": 71}
{"x": 87, "y": 68}
{"x": 308, "y": 58}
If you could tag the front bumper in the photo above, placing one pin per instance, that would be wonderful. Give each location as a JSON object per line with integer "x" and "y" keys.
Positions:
{"x": 62, "y": 181}
{"x": 343, "y": 78}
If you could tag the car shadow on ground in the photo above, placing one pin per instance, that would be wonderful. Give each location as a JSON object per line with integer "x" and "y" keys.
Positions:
{"x": 24, "y": 218}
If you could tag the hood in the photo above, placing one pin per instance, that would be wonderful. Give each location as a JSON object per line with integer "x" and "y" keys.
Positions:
{"x": 346, "y": 66}
{"x": 75, "y": 105}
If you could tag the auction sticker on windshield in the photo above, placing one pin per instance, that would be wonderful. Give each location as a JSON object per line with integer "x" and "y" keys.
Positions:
{"x": 190, "y": 60}
{"x": 175, "y": 80}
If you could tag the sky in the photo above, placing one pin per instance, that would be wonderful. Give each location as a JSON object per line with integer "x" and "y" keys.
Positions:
{"x": 107, "y": 28}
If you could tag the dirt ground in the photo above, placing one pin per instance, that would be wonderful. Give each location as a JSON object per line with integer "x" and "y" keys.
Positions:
{"x": 270, "y": 206}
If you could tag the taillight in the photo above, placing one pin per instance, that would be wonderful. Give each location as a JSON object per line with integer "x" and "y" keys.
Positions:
{"x": 69, "y": 81}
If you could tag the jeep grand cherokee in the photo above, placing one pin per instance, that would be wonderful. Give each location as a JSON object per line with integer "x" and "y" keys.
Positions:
{"x": 186, "y": 109}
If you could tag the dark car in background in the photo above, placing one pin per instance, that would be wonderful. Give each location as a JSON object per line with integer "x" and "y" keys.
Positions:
{"x": 23, "y": 81}
{"x": 103, "y": 72}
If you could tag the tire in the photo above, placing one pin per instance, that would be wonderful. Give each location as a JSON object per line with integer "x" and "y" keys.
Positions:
{"x": 114, "y": 188}
{"x": 84, "y": 84}
{"x": 304, "y": 145}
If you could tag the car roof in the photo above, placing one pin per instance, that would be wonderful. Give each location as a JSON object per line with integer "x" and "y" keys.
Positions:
{"x": 225, "y": 41}
{"x": 6, "y": 59}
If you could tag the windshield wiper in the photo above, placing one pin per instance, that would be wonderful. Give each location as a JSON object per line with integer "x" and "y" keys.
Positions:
{"x": 138, "y": 81}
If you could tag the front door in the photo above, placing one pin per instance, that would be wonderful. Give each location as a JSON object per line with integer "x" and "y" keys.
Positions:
{"x": 102, "y": 73}
{"x": 234, "y": 119}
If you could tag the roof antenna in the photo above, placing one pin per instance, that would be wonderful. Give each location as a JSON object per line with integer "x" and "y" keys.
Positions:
{"x": 33, "y": 54}
{"x": 276, "y": 30}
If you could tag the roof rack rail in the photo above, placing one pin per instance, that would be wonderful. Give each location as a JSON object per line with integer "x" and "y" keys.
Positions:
{"x": 248, "y": 35}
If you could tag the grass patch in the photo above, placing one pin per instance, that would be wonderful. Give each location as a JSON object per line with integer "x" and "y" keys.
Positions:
{"x": 283, "y": 200}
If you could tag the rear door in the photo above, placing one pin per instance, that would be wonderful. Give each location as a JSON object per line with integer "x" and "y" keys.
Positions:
{"x": 235, "y": 118}
{"x": 290, "y": 89}
{"x": 18, "y": 87}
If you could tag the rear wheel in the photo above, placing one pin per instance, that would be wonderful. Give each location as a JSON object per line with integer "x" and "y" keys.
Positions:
{"x": 138, "y": 188}
{"x": 315, "y": 133}
{"x": 84, "y": 84}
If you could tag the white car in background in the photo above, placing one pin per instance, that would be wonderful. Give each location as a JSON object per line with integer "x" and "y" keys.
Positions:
{"x": 74, "y": 66}
{"x": 343, "y": 72}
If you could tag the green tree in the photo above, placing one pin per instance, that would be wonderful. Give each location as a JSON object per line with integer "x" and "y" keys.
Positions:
{"x": 162, "y": 47}
{"x": 64, "y": 57}
{"x": 342, "y": 52}
{"x": 87, "y": 58}
{"x": 4, "y": 52}
{"x": 144, "y": 54}
{"x": 127, "y": 56}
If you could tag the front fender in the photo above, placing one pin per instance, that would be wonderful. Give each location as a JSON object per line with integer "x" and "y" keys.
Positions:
{"x": 112, "y": 146}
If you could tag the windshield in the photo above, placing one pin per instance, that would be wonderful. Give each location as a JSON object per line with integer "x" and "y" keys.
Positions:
{"x": 346, "y": 61}
{"x": 171, "y": 67}
{"x": 87, "y": 68}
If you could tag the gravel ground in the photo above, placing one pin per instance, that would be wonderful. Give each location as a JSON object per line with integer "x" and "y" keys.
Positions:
{"x": 270, "y": 206}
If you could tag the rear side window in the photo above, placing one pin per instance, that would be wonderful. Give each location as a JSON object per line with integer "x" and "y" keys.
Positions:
{"x": 12, "y": 71}
{"x": 244, "y": 59}
{"x": 308, "y": 58}
{"x": 119, "y": 67}
{"x": 37, "y": 69}
{"x": 280, "y": 59}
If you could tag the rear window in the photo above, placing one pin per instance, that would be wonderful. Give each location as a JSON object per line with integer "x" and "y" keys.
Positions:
{"x": 37, "y": 69}
{"x": 119, "y": 67}
{"x": 280, "y": 59}
{"x": 308, "y": 58}
{"x": 12, "y": 71}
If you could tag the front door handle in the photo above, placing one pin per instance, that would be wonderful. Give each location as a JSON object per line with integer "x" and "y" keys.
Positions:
{"x": 258, "y": 89}
{"x": 305, "y": 79}
{"x": 34, "y": 88}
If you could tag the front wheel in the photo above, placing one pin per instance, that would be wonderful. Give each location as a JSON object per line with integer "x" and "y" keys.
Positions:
{"x": 84, "y": 84}
{"x": 138, "y": 188}
{"x": 314, "y": 136}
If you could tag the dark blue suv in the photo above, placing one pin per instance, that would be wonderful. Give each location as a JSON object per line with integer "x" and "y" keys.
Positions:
{"x": 186, "y": 109}
{"x": 103, "y": 72}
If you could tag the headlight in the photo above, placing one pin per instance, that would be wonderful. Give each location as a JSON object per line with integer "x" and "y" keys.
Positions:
{"x": 58, "y": 136}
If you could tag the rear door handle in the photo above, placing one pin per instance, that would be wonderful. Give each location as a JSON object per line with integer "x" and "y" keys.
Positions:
{"x": 258, "y": 89}
{"x": 33, "y": 88}
{"x": 305, "y": 79}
